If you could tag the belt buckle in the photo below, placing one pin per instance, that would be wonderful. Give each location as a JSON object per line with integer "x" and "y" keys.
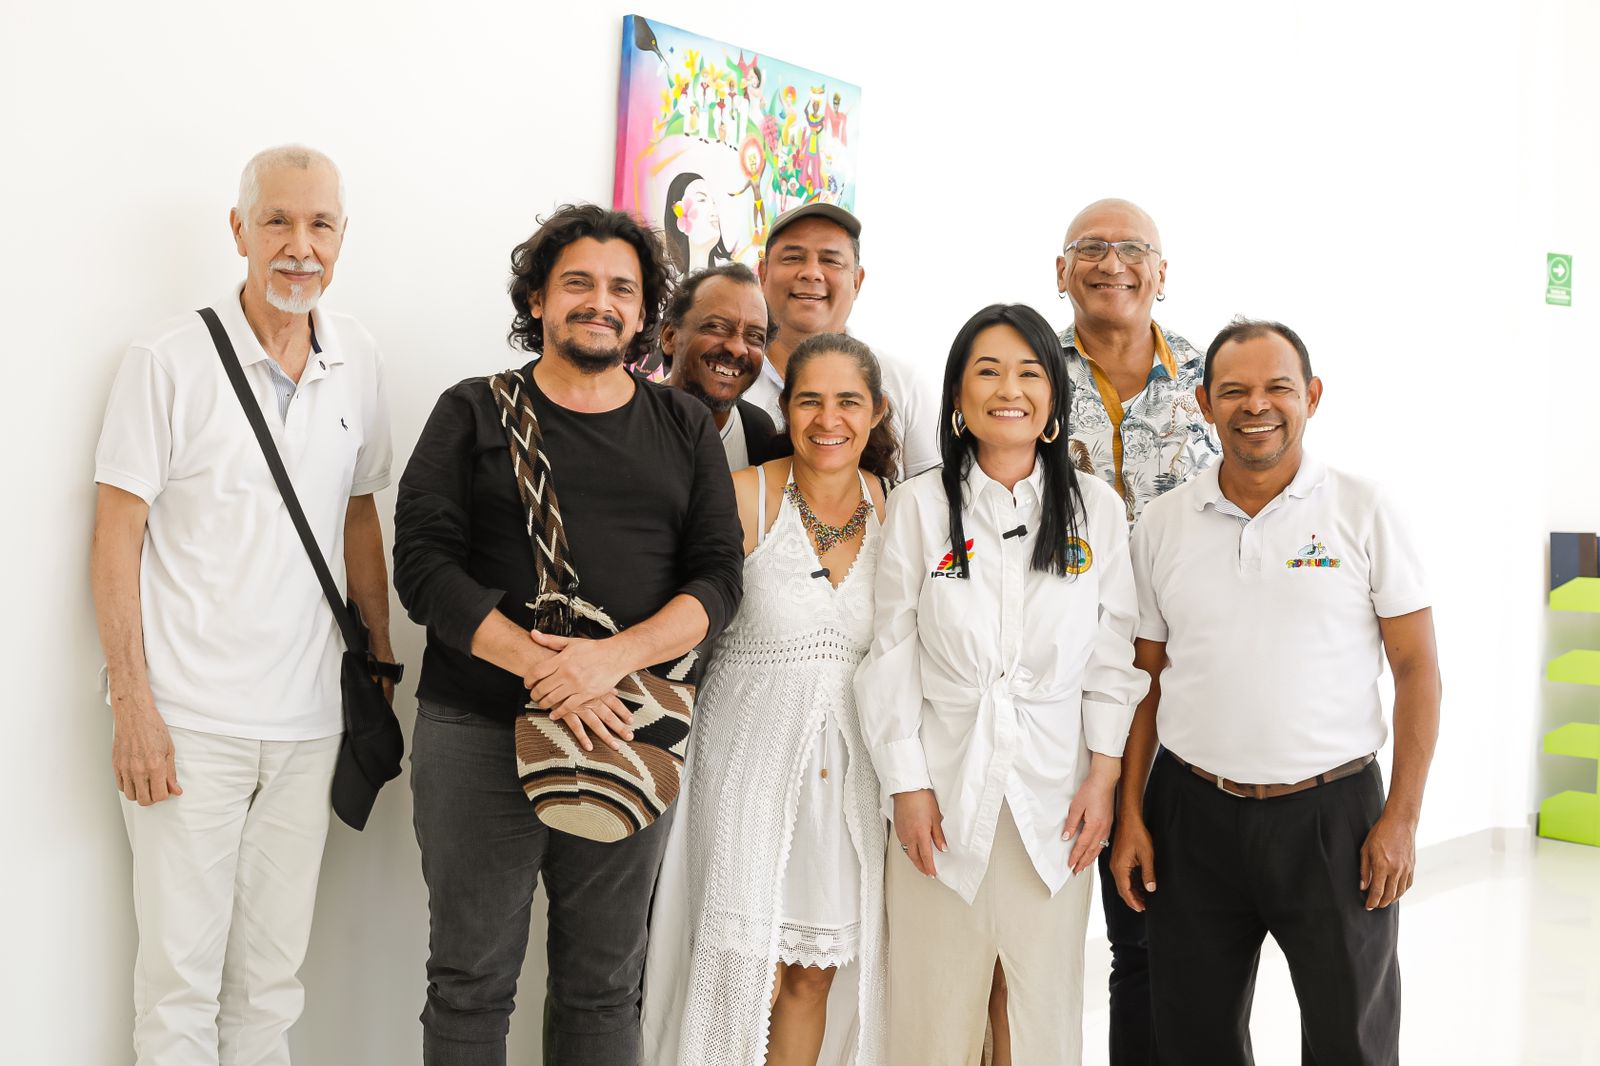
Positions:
{"x": 1227, "y": 791}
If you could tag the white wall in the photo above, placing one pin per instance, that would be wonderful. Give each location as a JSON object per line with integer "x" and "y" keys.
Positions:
{"x": 1562, "y": 155}
{"x": 1384, "y": 176}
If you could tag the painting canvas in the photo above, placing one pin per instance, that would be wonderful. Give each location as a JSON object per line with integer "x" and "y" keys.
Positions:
{"x": 714, "y": 141}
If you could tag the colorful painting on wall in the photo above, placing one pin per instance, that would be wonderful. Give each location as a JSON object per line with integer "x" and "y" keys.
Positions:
{"x": 714, "y": 141}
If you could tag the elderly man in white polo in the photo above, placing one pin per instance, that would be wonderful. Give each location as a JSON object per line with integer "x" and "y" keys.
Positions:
{"x": 222, "y": 658}
{"x": 1271, "y": 588}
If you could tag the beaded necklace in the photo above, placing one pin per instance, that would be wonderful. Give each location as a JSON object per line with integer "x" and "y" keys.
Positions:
{"x": 825, "y": 535}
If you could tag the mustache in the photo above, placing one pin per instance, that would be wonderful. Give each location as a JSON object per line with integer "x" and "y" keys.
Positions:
{"x": 743, "y": 364}
{"x": 589, "y": 316}
{"x": 308, "y": 265}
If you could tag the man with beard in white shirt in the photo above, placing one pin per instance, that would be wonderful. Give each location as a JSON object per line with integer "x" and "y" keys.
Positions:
{"x": 222, "y": 656}
{"x": 811, "y": 275}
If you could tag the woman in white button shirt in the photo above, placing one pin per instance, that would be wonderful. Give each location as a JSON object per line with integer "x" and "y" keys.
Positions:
{"x": 995, "y": 701}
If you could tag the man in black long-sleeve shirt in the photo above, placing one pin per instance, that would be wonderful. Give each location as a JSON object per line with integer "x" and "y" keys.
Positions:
{"x": 654, "y": 537}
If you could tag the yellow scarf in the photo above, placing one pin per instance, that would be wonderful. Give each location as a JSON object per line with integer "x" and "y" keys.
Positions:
{"x": 1113, "y": 402}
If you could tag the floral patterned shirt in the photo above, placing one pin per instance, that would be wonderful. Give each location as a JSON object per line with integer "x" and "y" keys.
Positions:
{"x": 1154, "y": 442}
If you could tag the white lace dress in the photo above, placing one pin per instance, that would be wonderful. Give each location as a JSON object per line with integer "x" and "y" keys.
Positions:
{"x": 779, "y": 862}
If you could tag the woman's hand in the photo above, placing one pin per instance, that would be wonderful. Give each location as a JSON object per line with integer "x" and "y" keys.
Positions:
{"x": 919, "y": 826}
{"x": 1089, "y": 816}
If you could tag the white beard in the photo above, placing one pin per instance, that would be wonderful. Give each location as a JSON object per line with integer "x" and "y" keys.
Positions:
{"x": 298, "y": 302}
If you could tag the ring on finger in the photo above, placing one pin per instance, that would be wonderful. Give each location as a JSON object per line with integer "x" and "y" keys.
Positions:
{"x": 1105, "y": 843}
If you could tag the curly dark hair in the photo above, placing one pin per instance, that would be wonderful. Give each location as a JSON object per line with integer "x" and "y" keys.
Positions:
{"x": 683, "y": 294}
{"x": 534, "y": 258}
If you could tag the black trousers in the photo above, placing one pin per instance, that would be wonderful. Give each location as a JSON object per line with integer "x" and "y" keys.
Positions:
{"x": 1133, "y": 1039}
{"x": 1229, "y": 871}
{"x": 483, "y": 853}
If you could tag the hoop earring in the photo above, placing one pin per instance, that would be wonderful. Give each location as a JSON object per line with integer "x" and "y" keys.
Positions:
{"x": 958, "y": 422}
{"x": 1160, "y": 296}
{"x": 1055, "y": 431}
{"x": 1062, "y": 295}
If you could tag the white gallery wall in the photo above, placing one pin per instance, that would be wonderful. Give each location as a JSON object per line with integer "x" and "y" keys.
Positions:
{"x": 1385, "y": 177}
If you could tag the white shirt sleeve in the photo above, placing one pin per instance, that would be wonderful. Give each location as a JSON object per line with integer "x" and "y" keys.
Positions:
{"x": 1112, "y": 685}
{"x": 1395, "y": 567}
{"x": 1152, "y": 626}
{"x": 914, "y": 408}
{"x": 376, "y": 454}
{"x": 888, "y": 683}
{"x": 135, "y": 449}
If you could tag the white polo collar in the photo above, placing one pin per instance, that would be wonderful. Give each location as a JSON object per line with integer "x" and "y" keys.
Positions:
{"x": 770, "y": 372}
{"x": 1208, "y": 486}
{"x": 231, "y": 311}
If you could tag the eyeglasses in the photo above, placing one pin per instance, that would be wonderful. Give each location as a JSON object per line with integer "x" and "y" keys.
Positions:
{"x": 1091, "y": 250}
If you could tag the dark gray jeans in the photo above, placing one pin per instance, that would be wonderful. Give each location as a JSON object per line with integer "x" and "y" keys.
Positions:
{"x": 483, "y": 852}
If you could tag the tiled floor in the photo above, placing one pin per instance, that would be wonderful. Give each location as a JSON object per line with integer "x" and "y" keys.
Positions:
{"x": 1499, "y": 954}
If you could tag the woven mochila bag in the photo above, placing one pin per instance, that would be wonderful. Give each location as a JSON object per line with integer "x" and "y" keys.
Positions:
{"x": 604, "y": 794}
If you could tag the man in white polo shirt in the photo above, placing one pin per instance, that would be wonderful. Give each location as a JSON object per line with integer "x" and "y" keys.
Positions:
{"x": 222, "y": 656}
{"x": 1271, "y": 588}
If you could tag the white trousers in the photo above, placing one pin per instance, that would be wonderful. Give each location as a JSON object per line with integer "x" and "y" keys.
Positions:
{"x": 942, "y": 954}
{"x": 224, "y": 878}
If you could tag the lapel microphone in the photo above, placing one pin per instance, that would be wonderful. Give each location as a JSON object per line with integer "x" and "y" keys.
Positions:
{"x": 820, "y": 573}
{"x": 1020, "y": 531}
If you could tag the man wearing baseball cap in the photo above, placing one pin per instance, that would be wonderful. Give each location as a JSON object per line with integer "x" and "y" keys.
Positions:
{"x": 810, "y": 276}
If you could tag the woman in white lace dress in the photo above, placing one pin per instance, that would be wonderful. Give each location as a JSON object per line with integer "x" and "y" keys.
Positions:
{"x": 775, "y": 869}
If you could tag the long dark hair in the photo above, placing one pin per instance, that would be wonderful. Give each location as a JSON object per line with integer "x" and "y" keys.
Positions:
{"x": 534, "y": 258}
{"x": 881, "y": 456}
{"x": 1062, "y": 499}
{"x": 677, "y": 240}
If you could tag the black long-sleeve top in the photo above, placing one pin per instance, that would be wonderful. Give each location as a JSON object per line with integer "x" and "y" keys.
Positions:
{"x": 647, "y": 504}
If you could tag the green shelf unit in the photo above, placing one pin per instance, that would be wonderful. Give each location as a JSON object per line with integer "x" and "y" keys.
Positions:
{"x": 1579, "y": 739}
{"x": 1575, "y": 575}
{"x": 1579, "y": 594}
{"x": 1573, "y": 816}
{"x": 1575, "y": 667}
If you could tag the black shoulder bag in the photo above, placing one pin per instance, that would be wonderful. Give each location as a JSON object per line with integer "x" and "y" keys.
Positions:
{"x": 370, "y": 751}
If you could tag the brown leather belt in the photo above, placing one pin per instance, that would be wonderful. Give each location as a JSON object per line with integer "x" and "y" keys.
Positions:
{"x": 1262, "y": 792}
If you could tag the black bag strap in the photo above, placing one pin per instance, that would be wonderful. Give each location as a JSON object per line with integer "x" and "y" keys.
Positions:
{"x": 355, "y": 639}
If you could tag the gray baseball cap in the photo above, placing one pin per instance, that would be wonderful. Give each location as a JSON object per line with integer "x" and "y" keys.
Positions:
{"x": 816, "y": 209}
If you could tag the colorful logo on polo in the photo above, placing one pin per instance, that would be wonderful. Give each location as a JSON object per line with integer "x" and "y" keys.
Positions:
{"x": 1079, "y": 557}
{"x": 947, "y": 565}
{"x": 1313, "y": 554}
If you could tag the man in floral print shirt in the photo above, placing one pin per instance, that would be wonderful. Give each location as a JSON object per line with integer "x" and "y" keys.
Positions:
{"x": 1137, "y": 426}
{"x": 1135, "y": 422}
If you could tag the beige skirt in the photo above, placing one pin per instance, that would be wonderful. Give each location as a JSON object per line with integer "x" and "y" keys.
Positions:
{"x": 942, "y": 955}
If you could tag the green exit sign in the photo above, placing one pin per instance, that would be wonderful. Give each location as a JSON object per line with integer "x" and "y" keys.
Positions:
{"x": 1558, "y": 279}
